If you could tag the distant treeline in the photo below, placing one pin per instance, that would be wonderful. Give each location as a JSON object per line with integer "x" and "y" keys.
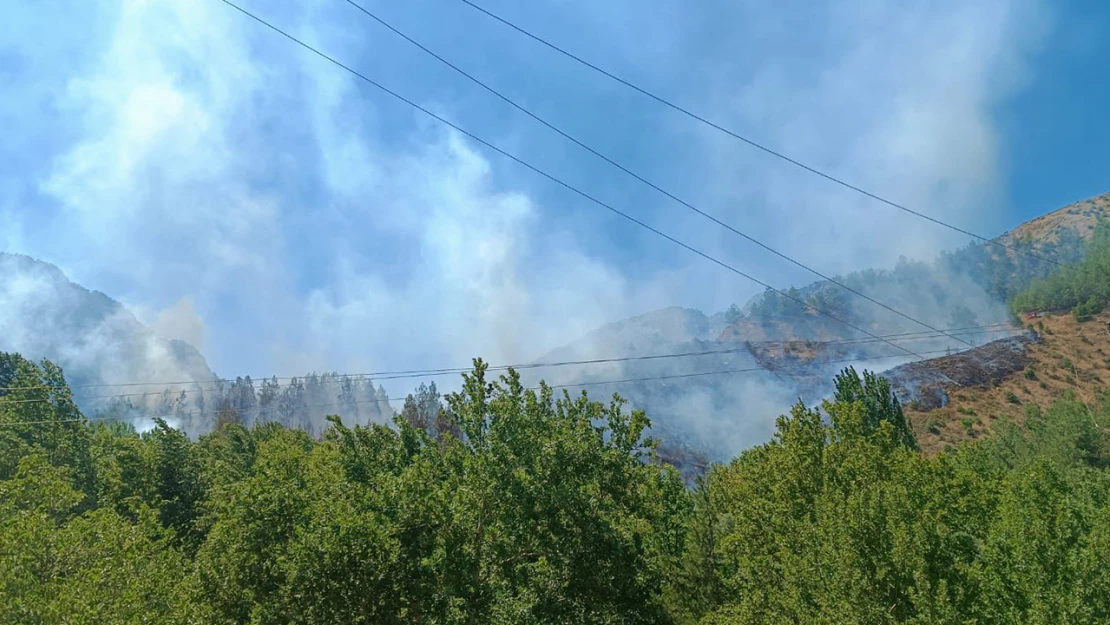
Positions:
{"x": 301, "y": 402}
{"x": 504, "y": 505}
{"x": 1083, "y": 287}
{"x": 936, "y": 292}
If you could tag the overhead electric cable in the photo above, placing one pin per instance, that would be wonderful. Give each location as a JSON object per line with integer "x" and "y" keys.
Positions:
{"x": 531, "y": 388}
{"x": 640, "y": 178}
{"x": 339, "y": 378}
{"x": 752, "y": 143}
{"x": 551, "y": 177}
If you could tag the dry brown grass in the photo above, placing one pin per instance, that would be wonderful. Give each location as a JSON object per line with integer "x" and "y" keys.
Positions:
{"x": 1080, "y": 217}
{"x": 1072, "y": 357}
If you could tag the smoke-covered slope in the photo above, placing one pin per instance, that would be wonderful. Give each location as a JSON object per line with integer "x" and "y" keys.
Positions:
{"x": 118, "y": 368}
{"x": 722, "y": 380}
{"x": 660, "y": 329}
{"x": 776, "y": 348}
{"x": 94, "y": 338}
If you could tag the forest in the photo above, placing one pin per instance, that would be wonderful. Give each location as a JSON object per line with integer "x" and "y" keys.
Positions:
{"x": 302, "y": 402}
{"x": 980, "y": 275}
{"x": 1081, "y": 287}
{"x": 507, "y": 505}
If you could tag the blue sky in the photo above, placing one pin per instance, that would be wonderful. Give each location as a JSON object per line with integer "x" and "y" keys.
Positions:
{"x": 237, "y": 192}
{"x": 1057, "y": 131}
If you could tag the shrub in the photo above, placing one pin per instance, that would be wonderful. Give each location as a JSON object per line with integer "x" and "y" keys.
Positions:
{"x": 1030, "y": 374}
{"x": 1084, "y": 311}
{"x": 1013, "y": 398}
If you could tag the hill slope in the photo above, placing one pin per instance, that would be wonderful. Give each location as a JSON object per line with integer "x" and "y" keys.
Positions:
{"x": 737, "y": 371}
{"x": 1074, "y": 219}
{"x": 91, "y": 336}
{"x": 660, "y": 329}
{"x": 1004, "y": 380}
{"x": 796, "y": 351}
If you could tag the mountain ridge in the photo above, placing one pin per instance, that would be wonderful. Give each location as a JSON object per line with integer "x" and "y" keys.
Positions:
{"x": 731, "y": 372}
{"x": 1078, "y": 217}
{"x": 799, "y": 350}
{"x": 94, "y": 338}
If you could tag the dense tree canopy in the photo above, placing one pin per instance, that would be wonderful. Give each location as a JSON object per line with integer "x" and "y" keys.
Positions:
{"x": 505, "y": 505}
{"x": 939, "y": 292}
{"x": 1083, "y": 288}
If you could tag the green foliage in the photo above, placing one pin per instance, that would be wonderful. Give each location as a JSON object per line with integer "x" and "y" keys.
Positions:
{"x": 878, "y": 401}
{"x": 1083, "y": 287}
{"x": 505, "y": 505}
{"x": 38, "y": 413}
{"x": 825, "y": 526}
{"x": 920, "y": 286}
{"x": 933, "y": 425}
{"x": 61, "y": 566}
{"x": 1086, "y": 310}
{"x": 733, "y": 314}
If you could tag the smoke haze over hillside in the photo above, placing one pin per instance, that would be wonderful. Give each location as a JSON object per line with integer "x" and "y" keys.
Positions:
{"x": 248, "y": 198}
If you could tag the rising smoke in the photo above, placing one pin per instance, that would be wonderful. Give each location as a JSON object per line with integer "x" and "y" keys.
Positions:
{"x": 279, "y": 213}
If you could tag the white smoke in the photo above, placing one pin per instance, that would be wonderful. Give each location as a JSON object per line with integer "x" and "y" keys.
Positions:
{"x": 245, "y": 195}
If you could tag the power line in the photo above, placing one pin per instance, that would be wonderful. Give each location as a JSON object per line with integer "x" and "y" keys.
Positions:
{"x": 550, "y": 177}
{"x": 531, "y": 388}
{"x": 638, "y": 177}
{"x": 341, "y": 378}
{"x": 748, "y": 141}
{"x": 195, "y": 413}
{"x": 725, "y": 371}
{"x": 419, "y": 373}
{"x": 592, "y": 383}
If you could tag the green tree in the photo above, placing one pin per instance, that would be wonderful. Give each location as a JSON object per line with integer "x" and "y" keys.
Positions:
{"x": 37, "y": 407}
{"x": 177, "y": 482}
{"x": 879, "y": 403}
{"x": 733, "y": 314}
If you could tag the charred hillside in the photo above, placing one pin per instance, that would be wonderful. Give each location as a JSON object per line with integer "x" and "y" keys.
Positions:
{"x": 923, "y": 384}
{"x": 778, "y": 347}
{"x": 968, "y": 395}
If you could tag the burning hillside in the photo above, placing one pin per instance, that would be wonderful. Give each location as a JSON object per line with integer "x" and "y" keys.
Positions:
{"x": 965, "y": 395}
{"x": 924, "y": 384}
